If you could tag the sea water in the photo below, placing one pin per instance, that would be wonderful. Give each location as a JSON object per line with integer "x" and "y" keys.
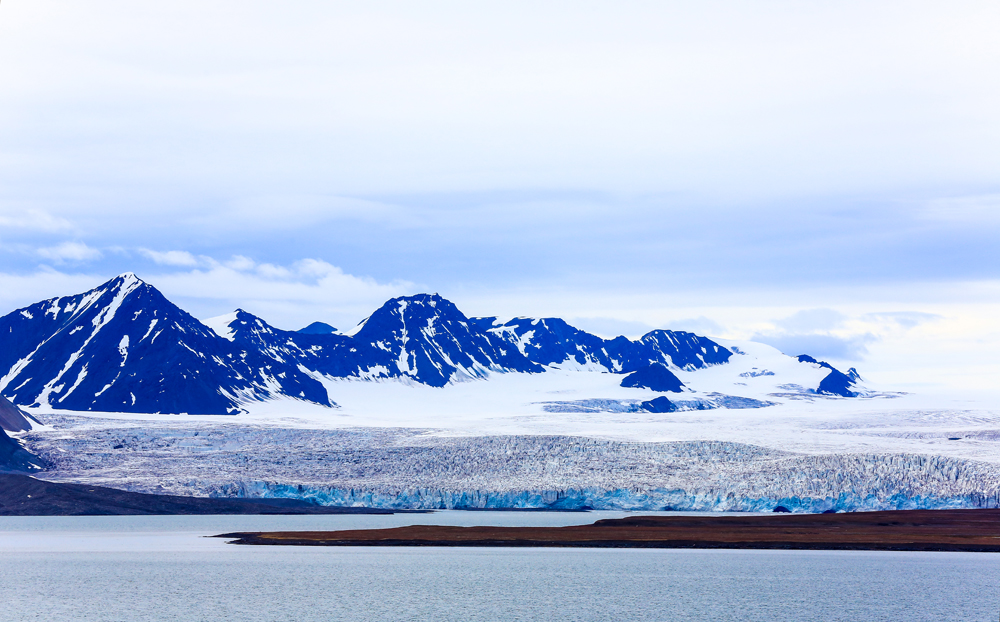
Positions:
{"x": 164, "y": 568}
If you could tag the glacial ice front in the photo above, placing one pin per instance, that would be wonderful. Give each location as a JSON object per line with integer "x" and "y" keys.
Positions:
{"x": 404, "y": 468}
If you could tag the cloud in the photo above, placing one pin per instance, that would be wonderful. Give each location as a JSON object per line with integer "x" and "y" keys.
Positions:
{"x": 273, "y": 272}
{"x": 829, "y": 333}
{"x": 289, "y": 296}
{"x": 170, "y": 258}
{"x": 700, "y": 325}
{"x": 821, "y": 346}
{"x": 69, "y": 251}
{"x": 969, "y": 210}
{"x": 902, "y": 319}
{"x": 818, "y": 332}
{"x": 809, "y": 320}
{"x": 19, "y": 290}
{"x": 610, "y": 327}
{"x": 36, "y": 220}
{"x": 239, "y": 262}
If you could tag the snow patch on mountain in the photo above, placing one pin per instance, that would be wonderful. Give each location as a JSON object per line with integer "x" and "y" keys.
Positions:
{"x": 220, "y": 325}
{"x": 123, "y": 347}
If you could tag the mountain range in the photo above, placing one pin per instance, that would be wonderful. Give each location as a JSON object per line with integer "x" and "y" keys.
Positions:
{"x": 123, "y": 347}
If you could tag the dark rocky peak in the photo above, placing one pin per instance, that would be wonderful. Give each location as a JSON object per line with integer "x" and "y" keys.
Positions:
{"x": 422, "y": 316}
{"x": 318, "y": 328}
{"x": 248, "y": 329}
{"x": 552, "y": 341}
{"x": 16, "y": 459}
{"x": 12, "y": 418}
{"x": 836, "y": 382}
{"x": 122, "y": 305}
{"x": 658, "y": 405}
{"x": 547, "y": 341}
{"x": 426, "y": 337}
{"x": 405, "y": 313}
{"x": 683, "y": 349}
{"x": 656, "y": 377}
{"x": 123, "y": 347}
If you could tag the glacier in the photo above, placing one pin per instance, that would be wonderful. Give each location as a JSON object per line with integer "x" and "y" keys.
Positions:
{"x": 397, "y": 468}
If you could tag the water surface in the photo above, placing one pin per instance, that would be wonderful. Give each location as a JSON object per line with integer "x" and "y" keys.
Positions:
{"x": 161, "y": 568}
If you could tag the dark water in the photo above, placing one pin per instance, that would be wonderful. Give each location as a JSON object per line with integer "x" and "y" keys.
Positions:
{"x": 161, "y": 569}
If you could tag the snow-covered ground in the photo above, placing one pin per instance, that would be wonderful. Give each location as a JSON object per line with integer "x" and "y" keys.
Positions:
{"x": 565, "y": 438}
{"x": 959, "y": 426}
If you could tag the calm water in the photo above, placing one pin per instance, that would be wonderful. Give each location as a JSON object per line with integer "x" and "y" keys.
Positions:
{"x": 161, "y": 568}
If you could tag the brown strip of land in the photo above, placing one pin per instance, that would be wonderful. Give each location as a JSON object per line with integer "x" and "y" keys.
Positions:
{"x": 908, "y": 530}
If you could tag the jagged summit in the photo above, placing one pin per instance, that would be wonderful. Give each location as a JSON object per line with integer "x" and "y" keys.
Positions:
{"x": 428, "y": 339}
{"x": 836, "y": 382}
{"x": 123, "y": 347}
{"x": 552, "y": 341}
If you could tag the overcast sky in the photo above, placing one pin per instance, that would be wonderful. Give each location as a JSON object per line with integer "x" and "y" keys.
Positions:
{"x": 824, "y": 177}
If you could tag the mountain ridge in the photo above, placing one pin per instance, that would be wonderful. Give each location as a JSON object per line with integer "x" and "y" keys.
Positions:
{"x": 124, "y": 347}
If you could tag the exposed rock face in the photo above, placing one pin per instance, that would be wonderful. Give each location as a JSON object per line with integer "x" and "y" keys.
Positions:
{"x": 659, "y": 405}
{"x": 123, "y": 347}
{"x": 656, "y": 377}
{"x": 551, "y": 341}
{"x": 16, "y": 459}
{"x": 836, "y": 382}
{"x": 12, "y": 418}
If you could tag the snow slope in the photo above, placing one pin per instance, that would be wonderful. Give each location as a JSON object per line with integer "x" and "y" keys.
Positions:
{"x": 422, "y": 406}
{"x": 124, "y": 347}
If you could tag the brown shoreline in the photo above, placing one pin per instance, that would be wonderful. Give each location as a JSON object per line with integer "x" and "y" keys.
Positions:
{"x": 905, "y": 530}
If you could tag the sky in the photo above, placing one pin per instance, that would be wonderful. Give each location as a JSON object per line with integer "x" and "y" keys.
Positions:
{"x": 823, "y": 177}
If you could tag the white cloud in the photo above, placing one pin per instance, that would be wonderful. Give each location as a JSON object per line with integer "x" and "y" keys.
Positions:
{"x": 699, "y": 325}
{"x": 69, "y": 251}
{"x": 290, "y": 296}
{"x": 239, "y": 262}
{"x": 975, "y": 209}
{"x": 170, "y": 258}
{"x": 36, "y": 220}
{"x": 609, "y": 328}
{"x": 831, "y": 334}
{"x": 287, "y": 296}
{"x": 901, "y": 319}
{"x": 20, "y": 290}
{"x": 820, "y": 346}
{"x": 808, "y": 320}
{"x": 727, "y": 98}
{"x": 271, "y": 271}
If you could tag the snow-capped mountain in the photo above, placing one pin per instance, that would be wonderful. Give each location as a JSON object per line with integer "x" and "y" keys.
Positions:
{"x": 123, "y": 347}
{"x": 551, "y": 341}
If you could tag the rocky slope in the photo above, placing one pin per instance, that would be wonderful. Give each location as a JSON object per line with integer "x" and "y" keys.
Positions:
{"x": 123, "y": 347}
